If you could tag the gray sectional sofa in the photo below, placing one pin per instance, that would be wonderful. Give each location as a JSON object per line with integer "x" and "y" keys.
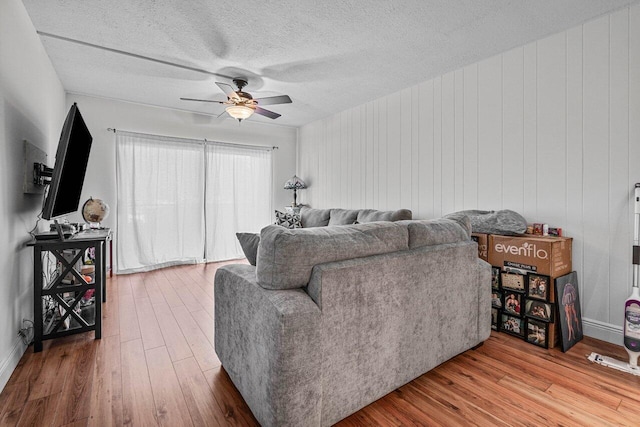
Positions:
{"x": 333, "y": 318}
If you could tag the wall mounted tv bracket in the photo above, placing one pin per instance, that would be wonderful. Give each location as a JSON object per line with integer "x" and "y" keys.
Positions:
{"x": 32, "y": 158}
{"x": 41, "y": 174}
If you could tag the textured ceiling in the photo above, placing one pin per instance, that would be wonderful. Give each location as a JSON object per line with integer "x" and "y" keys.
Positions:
{"x": 326, "y": 55}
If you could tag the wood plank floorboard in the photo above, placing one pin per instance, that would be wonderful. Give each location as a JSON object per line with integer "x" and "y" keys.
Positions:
{"x": 176, "y": 343}
{"x": 79, "y": 423}
{"x": 149, "y": 327}
{"x": 137, "y": 397}
{"x": 235, "y": 411}
{"x": 171, "y": 408}
{"x": 110, "y": 312}
{"x": 152, "y": 288}
{"x": 205, "y": 323}
{"x": 199, "y": 344}
{"x": 36, "y": 412}
{"x": 201, "y": 401}
{"x": 169, "y": 294}
{"x": 182, "y": 284}
{"x": 106, "y": 393}
{"x": 156, "y": 365}
{"x": 138, "y": 288}
{"x": 75, "y": 397}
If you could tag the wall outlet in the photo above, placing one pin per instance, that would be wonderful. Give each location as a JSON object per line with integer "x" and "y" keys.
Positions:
{"x": 26, "y": 332}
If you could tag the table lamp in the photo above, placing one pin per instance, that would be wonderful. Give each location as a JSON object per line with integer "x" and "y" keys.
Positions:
{"x": 294, "y": 183}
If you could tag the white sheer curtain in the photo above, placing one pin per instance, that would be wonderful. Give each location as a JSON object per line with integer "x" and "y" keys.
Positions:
{"x": 160, "y": 202}
{"x": 182, "y": 201}
{"x": 238, "y": 197}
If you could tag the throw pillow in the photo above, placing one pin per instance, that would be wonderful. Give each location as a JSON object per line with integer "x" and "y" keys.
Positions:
{"x": 249, "y": 243}
{"x": 288, "y": 220}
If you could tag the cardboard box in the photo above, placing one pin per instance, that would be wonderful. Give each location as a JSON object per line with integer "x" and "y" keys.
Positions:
{"x": 483, "y": 245}
{"x": 550, "y": 256}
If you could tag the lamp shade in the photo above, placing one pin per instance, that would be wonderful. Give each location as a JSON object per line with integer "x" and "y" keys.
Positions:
{"x": 240, "y": 112}
{"x": 294, "y": 183}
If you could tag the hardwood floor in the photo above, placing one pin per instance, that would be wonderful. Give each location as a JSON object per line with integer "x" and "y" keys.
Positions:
{"x": 155, "y": 365}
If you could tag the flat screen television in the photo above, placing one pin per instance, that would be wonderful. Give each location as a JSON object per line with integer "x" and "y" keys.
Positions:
{"x": 70, "y": 167}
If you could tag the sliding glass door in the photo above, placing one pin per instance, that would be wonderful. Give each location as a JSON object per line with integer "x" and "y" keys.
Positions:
{"x": 238, "y": 197}
{"x": 182, "y": 201}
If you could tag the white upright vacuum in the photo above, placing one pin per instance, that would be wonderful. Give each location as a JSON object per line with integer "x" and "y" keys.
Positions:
{"x": 631, "y": 307}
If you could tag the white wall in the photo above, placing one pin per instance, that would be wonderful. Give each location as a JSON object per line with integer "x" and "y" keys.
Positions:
{"x": 100, "y": 114}
{"x": 31, "y": 108}
{"x": 551, "y": 130}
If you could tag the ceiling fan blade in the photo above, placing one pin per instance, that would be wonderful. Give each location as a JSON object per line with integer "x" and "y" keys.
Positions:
{"x": 228, "y": 90}
{"x": 267, "y": 113}
{"x": 202, "y": 100}
{"x": 271, "y": 100}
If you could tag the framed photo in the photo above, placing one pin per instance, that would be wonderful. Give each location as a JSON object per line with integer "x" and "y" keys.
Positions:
{"x": 512, "y": 325}
{"x": 538, "y": 333}
{"x": 538, "y": 287}
{"x": 513, "y": 303}
{"x": 513, "y": 282}
{"x": 538, "y": 229}
{"x": 495, "y": 278}
{"x": 495, "y": 315}
{"x": 496, "y": 299}
{"x": 539, "y": 310}
{"x": 514, "y": 270}
{"x": 569, "y": 310}
{"x": 89, "y": 256}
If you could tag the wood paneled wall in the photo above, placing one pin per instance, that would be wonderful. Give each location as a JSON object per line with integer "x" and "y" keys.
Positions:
{"x": 551, "y": 130}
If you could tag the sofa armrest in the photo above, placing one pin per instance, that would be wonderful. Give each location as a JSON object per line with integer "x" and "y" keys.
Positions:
{"x": 270, "y": 345}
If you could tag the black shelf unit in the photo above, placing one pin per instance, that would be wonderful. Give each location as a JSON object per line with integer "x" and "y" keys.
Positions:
{"x": 74, "y": 307}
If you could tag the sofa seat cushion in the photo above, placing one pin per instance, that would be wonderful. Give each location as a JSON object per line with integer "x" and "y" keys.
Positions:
{"x": 287, "y": 257}
{"x": 436, "y": 232}
{"x": 314, "y": 217}
{"x": 372, "y": 215}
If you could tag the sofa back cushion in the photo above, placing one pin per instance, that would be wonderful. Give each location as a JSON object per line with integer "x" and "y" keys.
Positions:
{"x": 314, "y": 217}
{"x": 436, "y": 232}
{"x": 372, "y": 215}
{"x": 287, "y": 257}
{"x": 322, "y": 217}
{"x": 343, "y": 216}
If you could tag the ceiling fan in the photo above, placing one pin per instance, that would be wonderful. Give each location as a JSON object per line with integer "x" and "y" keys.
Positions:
{"x": 241, "y": 105}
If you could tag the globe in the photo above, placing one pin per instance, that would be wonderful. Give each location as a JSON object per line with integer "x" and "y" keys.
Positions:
{"x": 94, "y": 211}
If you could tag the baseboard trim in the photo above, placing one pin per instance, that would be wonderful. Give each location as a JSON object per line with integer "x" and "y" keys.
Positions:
{"x": 10, "y": 362}
{"x": 603, "y": 331}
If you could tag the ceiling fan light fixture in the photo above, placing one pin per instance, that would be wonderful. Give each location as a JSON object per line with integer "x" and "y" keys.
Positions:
{"x": 240, "y": 112}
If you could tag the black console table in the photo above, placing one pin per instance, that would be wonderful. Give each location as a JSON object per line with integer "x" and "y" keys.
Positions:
{"x": 70, "y": 302}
